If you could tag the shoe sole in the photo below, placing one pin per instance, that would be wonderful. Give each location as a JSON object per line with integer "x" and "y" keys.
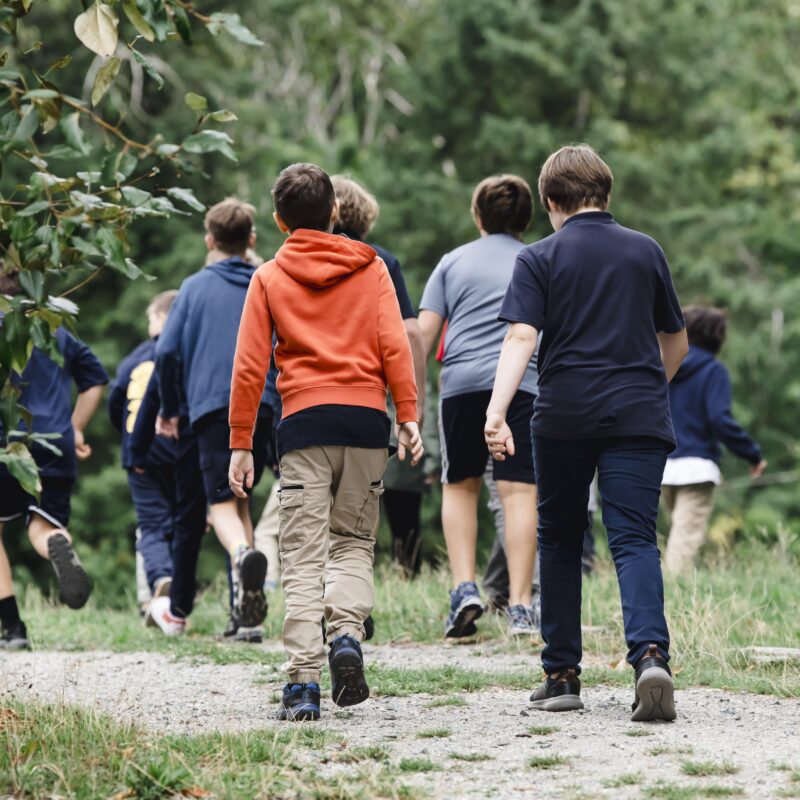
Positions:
{"x": 253, "y": 603}
{"x": 564, "y": 702}
{"x": 299, "y": 714}
{"x": 249, "y": 637}
{"x": 655, "y": 692}
{"x": 531, "y": 632}
{"x": 74, "y": 586}
{"x": 466, "y": 615}
{"x": 15, "y": 644}
{"x": 349, "y": 684}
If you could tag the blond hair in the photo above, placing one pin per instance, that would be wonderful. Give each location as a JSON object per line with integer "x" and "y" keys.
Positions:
{"x": 162, "y": 302}
{"x": 230, "y": 222}
{"x": 358, "y": 209}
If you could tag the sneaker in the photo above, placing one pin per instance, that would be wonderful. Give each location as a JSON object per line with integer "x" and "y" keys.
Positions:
{"x": 251, "y": 602}
{"x": 74, "y": 587}
{"x": 232, "y": 627}
{"x": 348, "y": 684}
{"x": 161, "y": 615}
{"x": 300, "y": 702}
{"x": 160, "y": 589}
{"x": 15, "y": 637}
{"x": 655, "y": 691}
{"x": 369, "y": 628}
{"x": 520, "y": 621}
{"x": 253, "y": 635}
{"x": 559, "y": 692}
{"x": 465, "y": 608}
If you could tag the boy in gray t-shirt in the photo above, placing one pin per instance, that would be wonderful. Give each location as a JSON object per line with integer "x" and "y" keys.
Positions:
{"x": 466, "y": 289}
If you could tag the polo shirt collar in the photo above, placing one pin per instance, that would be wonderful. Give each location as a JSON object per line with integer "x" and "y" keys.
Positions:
{"x": 590, "y": 216}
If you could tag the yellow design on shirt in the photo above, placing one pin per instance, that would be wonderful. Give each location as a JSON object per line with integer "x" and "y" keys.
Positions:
{"x": 137, "y": 386}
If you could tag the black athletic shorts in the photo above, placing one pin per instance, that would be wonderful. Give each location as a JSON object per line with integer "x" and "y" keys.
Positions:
{"x": 462, "y": 419}
{"x": 213, "y": 440}
{"x": 53, "y": 505}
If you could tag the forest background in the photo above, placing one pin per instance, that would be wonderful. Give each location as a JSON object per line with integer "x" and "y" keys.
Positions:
{"x": 696, "y": 106}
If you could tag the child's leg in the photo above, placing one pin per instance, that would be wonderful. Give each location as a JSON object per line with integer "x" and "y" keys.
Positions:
{"x": 564, "y": 469}
{"x": 6, "y": 579}
{"x": 403, "y": 512}
{"x": 151, "y": 492}
{"x": 307, "y": 476}
{"x": 349, "y": 587}
{"x": 519, "y": 509}
{"x": 460, "y": 525}
{"x": 265, "y": 536}
{"x": 689, "y": 515}
{"x": 630, "y": 472}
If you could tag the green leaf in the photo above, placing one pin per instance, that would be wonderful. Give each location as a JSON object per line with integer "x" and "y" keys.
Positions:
{"x": 137, "y": 20}
{"x": 60, "y": 63}
{"x": 33, "y": 208}
{"x": 106, "y": 75}
{"x": 210, "y": 141}
{"x": 27, "y": 125}
{"x": 40, "y": 94}
{"x": 223, "y": 115}
{"x": 186, "y": 196}
{"x": 196, "y": 101}
{"x": 33, "y": 284}
{"x": 232, "y": 24}
{"x": 8, "y": 74}
{"x": 21, "y": 465}
{"x": 156, "y": 16}
{"x": 71, "y": 128}
{"x": 134, "y": 196}
{"x": 148, "y": 67}
{"x": 181, "y": 21}
{"x": 97, "y": 29}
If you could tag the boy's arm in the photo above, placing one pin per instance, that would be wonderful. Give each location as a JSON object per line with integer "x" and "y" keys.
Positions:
{"x": 168, "y": 358}
{"x": 116, "y": 403}
{"x": 85, "y": 405}
{"x": 674, "y": 347}
{"x": 90, "y": 378}
{"x": 430, "y": 324}
{"x": 250, "y": 364}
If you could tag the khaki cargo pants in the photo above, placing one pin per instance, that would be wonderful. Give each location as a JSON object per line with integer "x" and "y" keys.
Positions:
{"x": 689, "y": 509}
{"x": 329, "y": 507}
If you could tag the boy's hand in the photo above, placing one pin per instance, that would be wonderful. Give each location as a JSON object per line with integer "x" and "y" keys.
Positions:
{"x": 82, "y": 450}
{"x": 757, "y": 470}
{"x": 241, "y": 472}
{"x": 499, "y": 438}
{"x": 409, "y": 440}
{"x": 167, "y": 426}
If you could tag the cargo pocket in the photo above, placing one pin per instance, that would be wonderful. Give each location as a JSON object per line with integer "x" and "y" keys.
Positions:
{"x": 292, "y": 525}
{"x": 368, "y": 518}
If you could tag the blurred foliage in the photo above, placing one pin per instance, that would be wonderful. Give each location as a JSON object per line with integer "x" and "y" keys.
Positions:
{"x": 694, "y": 104}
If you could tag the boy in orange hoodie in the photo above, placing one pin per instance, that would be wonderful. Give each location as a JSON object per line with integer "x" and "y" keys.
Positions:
{"x": 341, "y": 342}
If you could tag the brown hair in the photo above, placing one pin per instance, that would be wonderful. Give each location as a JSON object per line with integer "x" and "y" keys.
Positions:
{"x": 231, "y": 223}
{"x": 706, "y": 327}
{"x": 162, "y": 302}
{"x": 503, "y": 204}
{"x": 304, "y": 198}
{"x": 358, "y": 209}
{"x": 575, "y": 176}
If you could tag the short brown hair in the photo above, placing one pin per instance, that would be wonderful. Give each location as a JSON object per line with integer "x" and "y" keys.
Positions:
{"x": 503, "y": 204}
{"x": 575, "y": 176}
{"x": 358, "y": 209}
{"x": 231, "y": 223}
{"x": 162, "y": 302}
{"x": 706, "y": 327}
{"x": 304, "y": 198}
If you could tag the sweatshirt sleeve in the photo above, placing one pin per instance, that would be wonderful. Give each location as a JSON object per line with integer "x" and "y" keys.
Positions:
{"x": 168, "y": 353}
{"x": 398, "y": 365}
{"x": 725, "y": 428}
{"x": 250, "y": 364}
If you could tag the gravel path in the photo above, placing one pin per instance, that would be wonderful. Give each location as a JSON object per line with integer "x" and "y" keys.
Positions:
{"x": 753, "y": 733}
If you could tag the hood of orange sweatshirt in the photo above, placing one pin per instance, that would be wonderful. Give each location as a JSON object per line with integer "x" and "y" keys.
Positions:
{"x": 319, "y": 260}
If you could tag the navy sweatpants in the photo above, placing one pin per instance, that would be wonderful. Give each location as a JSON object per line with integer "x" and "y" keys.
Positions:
{"x": 153, "y": 495}
{"x": 630, "y": 471}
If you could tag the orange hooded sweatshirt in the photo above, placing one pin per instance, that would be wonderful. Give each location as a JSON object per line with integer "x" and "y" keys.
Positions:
{"x": 340, "y": 335}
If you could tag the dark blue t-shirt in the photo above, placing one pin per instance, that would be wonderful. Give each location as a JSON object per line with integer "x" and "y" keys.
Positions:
{"x": 599, "y": 293}
{"x": 47, "y": 393}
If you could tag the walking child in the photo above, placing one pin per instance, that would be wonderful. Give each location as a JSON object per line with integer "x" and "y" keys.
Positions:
{"x": 612, "y": 338}
{"x": 341, "y": 342}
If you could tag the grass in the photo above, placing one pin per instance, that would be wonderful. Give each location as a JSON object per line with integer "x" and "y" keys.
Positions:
{"x": 686, "y": 750}
{"x": 637, "y": 732}
{"x": 542, "y": 730}
{"x": 471, "y": 757}
{"x": 442, "y": 702}
{"x": 665, "y": 791}
{"x": 416, "y": 765}
{"x": 434, "y": 733}
{"x": 547, "y": 762}
{"x": 706, "y": 768}
{"x": 628, "y": 779}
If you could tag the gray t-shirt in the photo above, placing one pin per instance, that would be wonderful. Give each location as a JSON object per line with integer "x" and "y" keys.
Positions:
{"x": 467, "y": 288}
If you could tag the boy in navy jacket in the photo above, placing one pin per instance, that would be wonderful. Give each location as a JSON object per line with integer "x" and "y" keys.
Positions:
{"x": 700, "y": 398}
{"x": 612, "y": 338}
{"x": 152, "y": 484}
{"x": 47, "y": 394}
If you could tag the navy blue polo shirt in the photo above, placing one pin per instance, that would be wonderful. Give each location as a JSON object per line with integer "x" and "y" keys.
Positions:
{"x": 599, "y": 293}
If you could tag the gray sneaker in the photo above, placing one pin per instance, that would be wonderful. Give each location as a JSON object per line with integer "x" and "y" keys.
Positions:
{"x": 465, "y": 608}
{"x": 655, "y": 690}
{"x": 520, "y": 621}
{"x": 559, "y": 692}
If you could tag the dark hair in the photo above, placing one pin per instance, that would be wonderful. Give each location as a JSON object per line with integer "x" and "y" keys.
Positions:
{"x": 304, "y": 198}
{"x": 575, "y": 176}
{"x": 706, "y": 327}
{"x": 231, "y": 223}
{"x": 503, "y": 204}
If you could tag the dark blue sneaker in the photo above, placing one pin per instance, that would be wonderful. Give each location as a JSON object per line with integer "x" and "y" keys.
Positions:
{"x": 348, "y": 684}
{"x": 465, "y": 608}
{"x": 300, "y": 702}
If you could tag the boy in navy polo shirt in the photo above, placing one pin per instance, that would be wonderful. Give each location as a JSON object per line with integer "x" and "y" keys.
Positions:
{"x": 47, "y": 395}
{"x": 613, "y": 338}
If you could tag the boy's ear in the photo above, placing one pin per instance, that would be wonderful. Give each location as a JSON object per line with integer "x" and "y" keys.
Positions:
{"x": 282, "y": 226}
{"x": 210, "y": 243}
{"x": 251, "y": 241}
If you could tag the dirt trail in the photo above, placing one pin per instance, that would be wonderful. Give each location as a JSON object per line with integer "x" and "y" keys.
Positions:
{"x": 752, "y": 732}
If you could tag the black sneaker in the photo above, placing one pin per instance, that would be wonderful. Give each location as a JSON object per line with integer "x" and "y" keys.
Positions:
{"x": 300, "y": 702}
{"x": 348, "y": 684}
{"x": 251, "y": 602}
{"x": 15, "y": 637}
{"x": 74, "y": 586}
{"x": 369, "y": 628}
{"x": 655, "y": 691}
{"x": 559, "y": 692}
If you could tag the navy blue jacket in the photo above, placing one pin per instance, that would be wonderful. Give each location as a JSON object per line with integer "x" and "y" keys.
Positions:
{"x": 125, "y": 404}
{"x": 700, "y": 397}
{"x": 199, "y": 339}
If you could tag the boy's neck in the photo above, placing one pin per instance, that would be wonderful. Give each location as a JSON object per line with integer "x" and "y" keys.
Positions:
{"x": 216, "y": 254}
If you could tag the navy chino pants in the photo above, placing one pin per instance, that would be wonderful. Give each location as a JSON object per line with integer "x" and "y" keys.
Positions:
{"x": 629, "y": 471}
{"x": 153, "y": 495}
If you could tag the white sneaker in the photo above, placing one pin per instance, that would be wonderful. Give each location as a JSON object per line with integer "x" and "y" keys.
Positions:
{"x": 160, "y": 614}
{"x": 161, "y": 589}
